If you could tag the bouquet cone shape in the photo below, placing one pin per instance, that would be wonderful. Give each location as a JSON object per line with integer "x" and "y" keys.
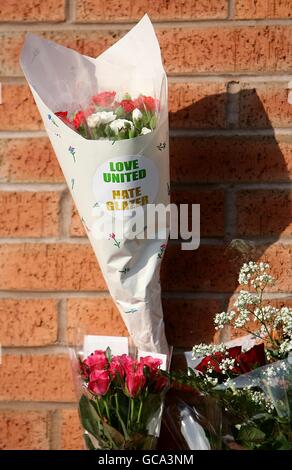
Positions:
{"x": 108, "y": 178}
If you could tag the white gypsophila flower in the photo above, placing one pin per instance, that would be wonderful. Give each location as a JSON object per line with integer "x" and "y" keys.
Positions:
{"x": 261, "y": 399}
{"x": 120, "y": 125}
{"x": 136, "y": 114}
{"x": 226, "y": 365}
{"x": 246, "y": 298}
{"x": 202, "y": 350}
{"x": 248, "y": 270}
{"x": 284, "y": 319}
{"x": 265, "y": 313}
{"x": 145, "y": 130}
{"x": 223, "y": 318}
{"x": 101, "y": 117}
{"x": 242, "y": 319}
{"x": 286, "y": 346}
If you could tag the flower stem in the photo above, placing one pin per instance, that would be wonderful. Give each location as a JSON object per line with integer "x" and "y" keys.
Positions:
{"x": 140, "y": 411}
{"x": 120, "y": 419}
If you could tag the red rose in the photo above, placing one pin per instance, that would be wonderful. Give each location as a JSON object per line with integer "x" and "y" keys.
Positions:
{"x": 146, "y": 103}
{"x": 96, "y": 360}
{"x": 99, "y": 382}
{"x": 161, "y": 383}
{"x": 251, "y": 359}
{"x": 244, "y": 362}
{"x": 214, "y": 360}
{"x": 104, "y": 98}
{"x": 127, "y": 105}
{"x": 79, "y": 119}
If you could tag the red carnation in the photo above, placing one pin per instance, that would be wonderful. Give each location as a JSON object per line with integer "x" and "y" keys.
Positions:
{"x": 79, "y": 119}
{"x": 62, "y": 115}
{"x": 104, "y": 99}
{"x": 146, "y": 103}
{"x": 127, "y": 105}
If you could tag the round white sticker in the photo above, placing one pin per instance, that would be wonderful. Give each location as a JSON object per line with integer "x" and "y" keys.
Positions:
{"x": 126, "y": 183}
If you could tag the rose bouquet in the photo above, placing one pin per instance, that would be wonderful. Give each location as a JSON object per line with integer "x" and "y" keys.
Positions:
{"x": 250, "y": 379}
{"x": 121, "y": 403}
{"x": 107, "y": 119}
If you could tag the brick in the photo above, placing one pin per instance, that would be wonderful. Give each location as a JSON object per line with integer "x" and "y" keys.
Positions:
{"x": 71, "y": 431}
{"x": 28, "y": 161}
{"x": 215, "y": 268}
{"x": 264, "y": 105}
{"x": 36, "y": 378}
{"x": 211, "y": 209}
{"x": 49, "y": 267}
{"x": 262, "y": 9}
{"x": 18, "y": 110}
{"x": 95, "y": 316}
{"x": 264, "y": 212}
{"x": 117, "y": 10}
{"x": 29, "y": 214}
{"x": 91, "y": 43}
{"x": 197, "y": 105}
{"x": 76, "y": 227}
{"x": 185, "y": 50}
{"x": 28, "y": 322}
{"x": 24, "y": 430}
{"x": 32, "y": 10}
{"x": 190, "y": 321}
{"x": 231, "y": 159}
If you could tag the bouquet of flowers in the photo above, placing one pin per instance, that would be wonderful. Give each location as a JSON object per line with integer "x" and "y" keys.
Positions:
{"x": 121, "y": 403}
{"x": 250, "y": 379}
{"x": 107, "y": 119}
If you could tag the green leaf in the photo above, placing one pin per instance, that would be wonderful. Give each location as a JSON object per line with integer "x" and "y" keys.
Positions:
{"x": 250, "y": 433}
{"x": 108, "y": 354}
{"x": 88, "y": 416}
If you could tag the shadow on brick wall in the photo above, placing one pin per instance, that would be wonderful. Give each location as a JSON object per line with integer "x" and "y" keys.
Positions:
{"x": 239, "y": 179}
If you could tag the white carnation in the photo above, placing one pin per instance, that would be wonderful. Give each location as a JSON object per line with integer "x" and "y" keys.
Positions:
{"x": 145, "y": 130}
{"x": 120, "y": 124}
{"x": 101, "y": 117}
{"x": 136, "y": 114}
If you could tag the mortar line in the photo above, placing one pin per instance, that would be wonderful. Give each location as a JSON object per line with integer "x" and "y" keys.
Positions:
{"x": 95, "y": 295}
{"x": 55, "y": 430}
{"x": 176, "y": 132}
{"x": 62, "y": 322}
{"x": 279, "y": 77}
{"x": 231, "y": 9}
{"x": 124, "y": 26}
{"x": 36, "y": 405}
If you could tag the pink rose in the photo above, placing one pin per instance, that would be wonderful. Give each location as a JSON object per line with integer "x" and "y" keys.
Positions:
{"x": 99, "y": 382}
{"x": 135, "y": 381}
{"x": 96, "y": 360}
{"x": 117, "y": 367}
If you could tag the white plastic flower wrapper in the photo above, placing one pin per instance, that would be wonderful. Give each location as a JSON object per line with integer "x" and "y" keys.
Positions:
{"x": 62, "y": 79}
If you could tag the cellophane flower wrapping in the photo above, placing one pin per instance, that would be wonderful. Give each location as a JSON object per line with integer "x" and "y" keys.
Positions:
{"x": 120, "y": 400}
{"x": 64, "y": 82}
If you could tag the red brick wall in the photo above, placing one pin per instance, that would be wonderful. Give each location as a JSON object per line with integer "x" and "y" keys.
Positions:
{"x": 229, "y": 66}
